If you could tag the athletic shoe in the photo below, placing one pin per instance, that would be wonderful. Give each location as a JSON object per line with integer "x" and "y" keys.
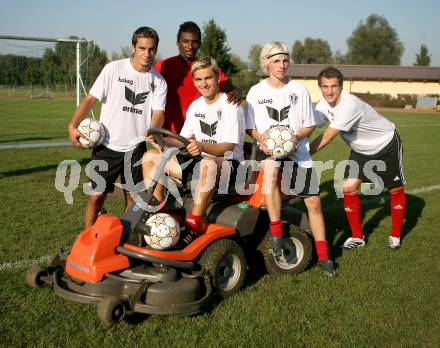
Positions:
{"x": 394, "y": 242}
{"x": 353, "y": 243}
{"x": 328, "y": 267}
{"x": 189, "y": 236}
{"x": 283, "y": 247}
{"x": 277, "y": 245}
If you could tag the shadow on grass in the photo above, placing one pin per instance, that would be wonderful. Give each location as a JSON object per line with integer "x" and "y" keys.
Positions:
{"x": 336, "y": 220}
{"x": 19, "y": 172}
{"x": 20, "y": 140}
{"x": 414, "y": 207}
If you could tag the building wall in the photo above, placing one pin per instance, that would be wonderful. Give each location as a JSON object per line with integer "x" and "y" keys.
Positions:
{"x": 377, "y": 87}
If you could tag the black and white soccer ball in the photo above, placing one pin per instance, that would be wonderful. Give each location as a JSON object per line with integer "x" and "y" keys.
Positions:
{"x": 281, "y": 141}
{"x": 164, "y": 231}
{"x": 93, "y": 132}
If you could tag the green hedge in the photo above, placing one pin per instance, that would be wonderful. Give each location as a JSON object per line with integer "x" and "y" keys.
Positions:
{"x": 387, "y": 100}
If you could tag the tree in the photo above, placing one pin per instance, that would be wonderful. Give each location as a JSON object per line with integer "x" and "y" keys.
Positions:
{"x": 125, "y": 53}
{"x": 313, "y": 51}
{"x": 374, "y": 42}
{"x": 297, "y": 53}
{"x": 339, "y": 58}
{"x": 423, "y": 58}
{"x": 254, "y": 56}
{"x": 214, "y": 44}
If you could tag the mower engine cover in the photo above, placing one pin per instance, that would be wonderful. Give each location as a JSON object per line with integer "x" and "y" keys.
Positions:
{"x": 93, "y": 253}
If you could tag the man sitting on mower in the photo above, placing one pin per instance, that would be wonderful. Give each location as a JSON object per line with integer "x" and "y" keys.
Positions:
{"x": 216, "y": 132}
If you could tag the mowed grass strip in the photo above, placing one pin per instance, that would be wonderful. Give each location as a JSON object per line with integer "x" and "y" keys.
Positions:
{"x": 379, "y": 298}
{"x": 36, "y": 120}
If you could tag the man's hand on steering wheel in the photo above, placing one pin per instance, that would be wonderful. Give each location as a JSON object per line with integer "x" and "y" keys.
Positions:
{"x": 151, "y": 140}
{"x": 195, "y": 148}
{"x": 158, "y": 135}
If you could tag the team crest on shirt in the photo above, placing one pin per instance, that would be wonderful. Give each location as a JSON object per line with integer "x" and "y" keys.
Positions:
{"x": 278, "y": 116}
{"x": 152, "y": 86}
{"x": 219, "y": 114}
{"x": 293, "y": 98}
{"x": 209, "y": 129}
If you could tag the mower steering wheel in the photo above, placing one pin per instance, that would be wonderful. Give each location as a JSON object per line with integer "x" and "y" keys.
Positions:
{"x": 159, "y": 133}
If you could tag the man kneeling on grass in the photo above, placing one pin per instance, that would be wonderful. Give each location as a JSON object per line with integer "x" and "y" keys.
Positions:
{"x": 216, "y": 132}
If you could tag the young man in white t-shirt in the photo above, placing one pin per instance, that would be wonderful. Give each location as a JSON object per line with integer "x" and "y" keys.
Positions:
{"x": 216, "y": 132}
{"x": 133, "y": 100}
{"x": 278, "y": 101}
{"x": 371, "y": 137}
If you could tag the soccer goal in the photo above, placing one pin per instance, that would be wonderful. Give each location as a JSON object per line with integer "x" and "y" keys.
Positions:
{"x": 15, "y": 49}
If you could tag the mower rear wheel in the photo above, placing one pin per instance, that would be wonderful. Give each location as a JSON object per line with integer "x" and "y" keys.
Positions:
{"x": 111, "y": 310}
{"x": 225, "y": 261}
{"x": 36, "y": 276}
{"x": 283, "y": 264}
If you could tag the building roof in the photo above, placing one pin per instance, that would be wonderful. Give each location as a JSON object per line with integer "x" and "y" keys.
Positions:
{"x": 369, "y": 72}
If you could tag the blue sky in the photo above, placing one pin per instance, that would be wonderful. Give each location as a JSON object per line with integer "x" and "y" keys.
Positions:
{"x": 111, "y": 23}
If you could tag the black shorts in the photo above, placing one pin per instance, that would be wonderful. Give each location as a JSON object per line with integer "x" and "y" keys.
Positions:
{"x": 388, "y": 165}
{"x": 295, "y": 180}
{"x": 188, "y": 163}
{"x": 115, "y": 162}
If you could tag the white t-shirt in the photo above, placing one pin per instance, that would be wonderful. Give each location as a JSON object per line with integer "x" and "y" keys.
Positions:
{"x": 289, "y": 106}
{"x": 362, "y": 128}
{"x": 128, "y": 98}
{"x": 220, "y": 122}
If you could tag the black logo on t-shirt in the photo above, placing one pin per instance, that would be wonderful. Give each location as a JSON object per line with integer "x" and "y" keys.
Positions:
{"x": 133, "y": 98}
{"x": 265, "y": 101}
{"x": 276, "y": 115}
{"x": 209, "y": 129}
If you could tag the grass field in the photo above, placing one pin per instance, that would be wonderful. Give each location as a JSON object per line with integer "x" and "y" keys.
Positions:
{"x": 380, "y": 298}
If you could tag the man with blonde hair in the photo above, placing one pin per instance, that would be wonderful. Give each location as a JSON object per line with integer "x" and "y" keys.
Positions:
{"x": 216, "y": 132}
{"x": 276, "y": 101}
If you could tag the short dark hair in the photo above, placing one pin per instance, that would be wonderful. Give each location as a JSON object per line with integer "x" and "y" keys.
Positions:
{"x": 189, "y": 27}
{"x": 146, "y": 32}
{"x": 330, "y": 73}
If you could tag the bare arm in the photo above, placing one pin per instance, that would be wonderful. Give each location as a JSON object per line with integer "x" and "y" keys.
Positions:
{"x": 157, "y": 118}
{"x": 195, "y": 148}
{"x": 233, "y": 93}
{"x": 305, "y": 132}
{"x": 323, "y": 140}
{"x": 81, "y": 111}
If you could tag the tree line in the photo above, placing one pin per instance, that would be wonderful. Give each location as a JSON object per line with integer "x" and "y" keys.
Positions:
{"x": 57, "y": 66}
{"x": 372, "y": 42}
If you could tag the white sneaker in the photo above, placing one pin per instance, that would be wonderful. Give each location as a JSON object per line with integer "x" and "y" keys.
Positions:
{"x": 353, "y": 243}
{"x": 393, "y": 242}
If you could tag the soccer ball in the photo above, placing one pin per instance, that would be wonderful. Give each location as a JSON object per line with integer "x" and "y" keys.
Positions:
{"x": 164, "y": 231}
{"x": 93, "y": 132}
{"x": 281, "y": 141}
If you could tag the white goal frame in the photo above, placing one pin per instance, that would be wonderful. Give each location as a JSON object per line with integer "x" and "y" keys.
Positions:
{"x": 78, "y": 54}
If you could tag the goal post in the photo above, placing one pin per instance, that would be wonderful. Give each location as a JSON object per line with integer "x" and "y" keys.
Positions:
{"x": 78, "y": 54}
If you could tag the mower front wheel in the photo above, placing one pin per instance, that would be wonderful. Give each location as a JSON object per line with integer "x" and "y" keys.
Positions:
{"x": 225, "y": 261}
{"x": 292, "y": 261}
{"x": 37, "y": 276}
{"x": 111, "y": 310}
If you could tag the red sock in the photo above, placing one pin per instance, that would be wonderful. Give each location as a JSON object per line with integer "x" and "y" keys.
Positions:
{"x": 321, "y": 249}
{"x": 276, "y": 228}
{"x": 352, "y": 207}
{"x": 398, "y": 207}
{"x": 194, "y": 223}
